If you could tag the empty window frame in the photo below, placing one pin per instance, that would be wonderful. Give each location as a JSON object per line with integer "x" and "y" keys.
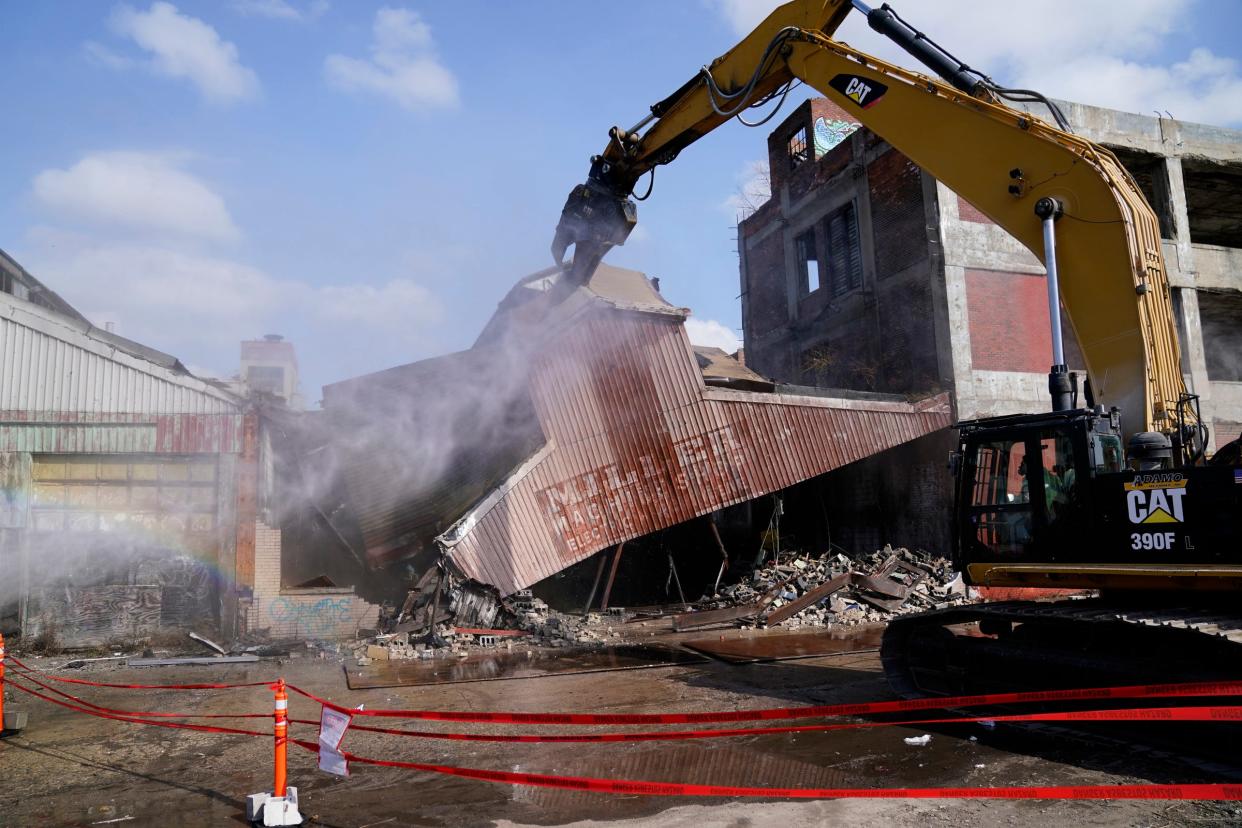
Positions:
{"x": 266, "y": 378}
{"x": 808, "y": 263}
{"x": 844, "y": 254}
{"x": 799, "y": 148}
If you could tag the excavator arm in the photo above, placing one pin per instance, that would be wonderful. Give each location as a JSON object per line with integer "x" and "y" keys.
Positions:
{"x": 1004, "y": 161}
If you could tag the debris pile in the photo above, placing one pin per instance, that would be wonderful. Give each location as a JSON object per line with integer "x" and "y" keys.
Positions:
{"x": 801, "y": 590}
{"x": 796, "y": 590}
{"x": 528, "y": 622}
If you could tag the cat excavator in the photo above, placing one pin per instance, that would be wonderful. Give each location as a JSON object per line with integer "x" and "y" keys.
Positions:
{"x": 1113, "y": 495}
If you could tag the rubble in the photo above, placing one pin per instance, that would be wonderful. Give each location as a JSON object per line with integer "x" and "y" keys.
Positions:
{"x": 801, "y": 590}
{"x": 796, "y": 590}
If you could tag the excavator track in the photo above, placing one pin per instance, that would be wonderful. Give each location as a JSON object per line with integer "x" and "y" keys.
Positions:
{"x": 1015, "y": 646}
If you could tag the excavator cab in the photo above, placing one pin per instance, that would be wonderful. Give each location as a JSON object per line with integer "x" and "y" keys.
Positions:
{"x": 1022, "y": 486}
{"x": 1054, "y": 500}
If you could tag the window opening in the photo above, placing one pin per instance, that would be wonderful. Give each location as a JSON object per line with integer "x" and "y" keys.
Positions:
{"x": 808, "y": 262}
{"x": 844, "y": 252}
{"x": 799, "y": 149}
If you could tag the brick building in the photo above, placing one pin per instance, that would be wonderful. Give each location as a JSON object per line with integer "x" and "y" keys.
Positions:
{"x": 864, "y": 272}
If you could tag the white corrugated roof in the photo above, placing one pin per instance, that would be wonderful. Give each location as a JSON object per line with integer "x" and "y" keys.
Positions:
{"x": 52, "y": 362}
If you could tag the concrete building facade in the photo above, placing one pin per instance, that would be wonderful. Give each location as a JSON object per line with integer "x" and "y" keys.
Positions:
{"x": 270, "y": 365}
{"x": 862, "y": 271}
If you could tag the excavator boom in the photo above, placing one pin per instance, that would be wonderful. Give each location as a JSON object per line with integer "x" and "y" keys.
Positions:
{"x": 1002, "y": 160}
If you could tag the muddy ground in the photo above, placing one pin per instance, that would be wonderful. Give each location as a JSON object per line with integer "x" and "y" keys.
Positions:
{"x": 68, "y": 769}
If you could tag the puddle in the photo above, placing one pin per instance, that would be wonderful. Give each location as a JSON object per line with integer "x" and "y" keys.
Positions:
{"x": 514, "y": 664}
{"x": 781, "y": 646}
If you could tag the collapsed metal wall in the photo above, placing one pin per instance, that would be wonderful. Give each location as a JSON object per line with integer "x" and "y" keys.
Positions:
{"x": 636, "y": 442}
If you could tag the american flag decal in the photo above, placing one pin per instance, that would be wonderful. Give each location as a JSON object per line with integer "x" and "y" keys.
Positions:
{"x": 1237, "y": 475}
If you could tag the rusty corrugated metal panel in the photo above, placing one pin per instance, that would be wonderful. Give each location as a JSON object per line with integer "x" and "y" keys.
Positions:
{"x": 48, "y": 364}
{"x": 639, "y": 443}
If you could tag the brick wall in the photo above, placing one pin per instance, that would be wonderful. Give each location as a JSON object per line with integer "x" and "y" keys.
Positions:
{"x": 767, "y": 304}
{"x": 1009, "y": 328}
{"x": 805, "y": 176}
{"x": 879, "y": 338}
{"x": 1226, "y": 432}
{"x": 968, "y": 212}
{"x": 331, "y": 613}
{"x": 897, "y": 218}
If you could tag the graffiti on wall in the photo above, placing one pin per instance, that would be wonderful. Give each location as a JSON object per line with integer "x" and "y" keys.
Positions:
{"x": 323, "y": 617}
{"x": 829, "y": 133}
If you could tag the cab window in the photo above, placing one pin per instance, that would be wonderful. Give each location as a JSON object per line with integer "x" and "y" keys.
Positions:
{"x": 999, "y": 510}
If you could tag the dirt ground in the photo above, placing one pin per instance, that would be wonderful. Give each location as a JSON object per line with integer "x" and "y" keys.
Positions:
{"x": 68, "y": 769}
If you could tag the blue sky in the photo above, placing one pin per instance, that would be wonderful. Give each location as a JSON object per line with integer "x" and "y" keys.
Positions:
{"x": 369, "y": 179}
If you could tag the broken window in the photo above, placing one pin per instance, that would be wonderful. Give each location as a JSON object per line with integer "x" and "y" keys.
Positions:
{"x": 1152, "y": 176}
{"x": 1220, "y": 313}
{"x": 844, "y": 259}
{"x": 266, "y": 378}
{"x": 808, "y": 263}
{"x": 1213, "y": 201}
{"x": 799, "y": 148}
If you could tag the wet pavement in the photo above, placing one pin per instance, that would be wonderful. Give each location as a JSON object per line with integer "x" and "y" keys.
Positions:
{"x": 68, "y": 769}
{"x": 520, "y": 663}
{"x": 745, "y": 649}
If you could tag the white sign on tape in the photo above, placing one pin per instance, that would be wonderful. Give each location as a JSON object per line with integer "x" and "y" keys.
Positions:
{"x": 332, "y": 727}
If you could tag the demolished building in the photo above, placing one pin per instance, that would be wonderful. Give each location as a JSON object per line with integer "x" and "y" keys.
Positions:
{"x": 580, "y": 419}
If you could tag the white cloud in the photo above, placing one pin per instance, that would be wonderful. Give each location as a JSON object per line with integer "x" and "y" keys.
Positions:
{"x": 403, "y": 65}
{"x": 185, "y": 301}
{"x": 135, "y": 190}
{"x": 1079, "y": 50}
{"x": 392, "y": 307}
{"x": 754, "y": 188}
{"x": 185, "y": 47}
{"x": 281, "y": 9}
{"x": 710, "y": 333}
{"x": 101, "y": 55}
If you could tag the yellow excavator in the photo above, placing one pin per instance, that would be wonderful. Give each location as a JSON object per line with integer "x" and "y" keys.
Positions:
{"x": 1114, "y": 495}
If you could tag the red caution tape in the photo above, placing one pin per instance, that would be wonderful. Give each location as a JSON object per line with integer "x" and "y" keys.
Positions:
{"x": 626, "y": 786}
{"x": 1144, "y": 691}
{"x": 1144, "y": 714}
{"x": 68, "y": 680}
{"x": 135, "y": 719}
{"x": 145, "y": 714}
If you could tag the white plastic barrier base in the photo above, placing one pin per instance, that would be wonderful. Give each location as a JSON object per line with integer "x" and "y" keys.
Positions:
{"x": 14, "y": 720}
{"x": 265, "y": 809}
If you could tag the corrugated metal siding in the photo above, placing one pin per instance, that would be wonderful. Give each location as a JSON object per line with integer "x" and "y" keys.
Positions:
{"x": 640, "y": 444}
{"x": 45, "y": 371}
{"x": 62, "y": 432}
{"x": 411, "y": 462}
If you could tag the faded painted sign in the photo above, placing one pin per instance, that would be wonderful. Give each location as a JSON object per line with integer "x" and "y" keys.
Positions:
{"x": 614, "y": 497}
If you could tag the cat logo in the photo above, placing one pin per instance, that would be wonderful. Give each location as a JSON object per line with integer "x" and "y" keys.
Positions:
{"x": 862, "y": 91}
{"x": 1156, "y": 498}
